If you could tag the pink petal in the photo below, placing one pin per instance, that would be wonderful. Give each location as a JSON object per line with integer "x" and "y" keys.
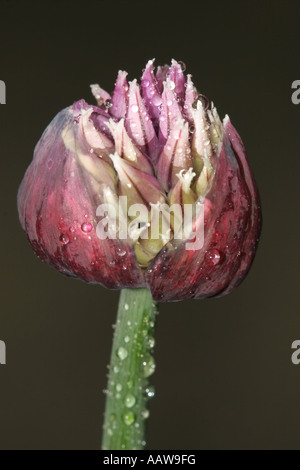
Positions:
{"x": 170, "y": 111}
{"x": 161, "y": 76}
{"x": 190, "y": 97}
{"x": 138, "y": 186}
{"x": 150, "y": 91}
{"x": 119, "y": 99}
{"x": 100, "y": 95}
{"x": 126, "y": 148}
{"x": 175, "y": 156}
{"x": 138, "y": 123}
{"x": 177, "y": 77}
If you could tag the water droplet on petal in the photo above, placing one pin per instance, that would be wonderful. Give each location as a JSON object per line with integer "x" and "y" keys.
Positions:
{"x": 157, "y": 101}
{"x": 121, "y": 252}
{"x": 122, "y": 353}
{"x": 86, "y": 227}
{"x": 145, "y": 83}
{"x": 172, "y": 85}
{"x": 49, "y": 163}
{"x": 213, "y": 257}
{"x": 130, "y": 400}
{"x": 64, "y": 239}
{"x": 134, "y": 108}
{"x": 129, "y": 418}
{"x": 182, "y": 65}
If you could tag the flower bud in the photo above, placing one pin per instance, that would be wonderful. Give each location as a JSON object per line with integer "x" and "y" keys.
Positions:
{"x": 148, "y": 189}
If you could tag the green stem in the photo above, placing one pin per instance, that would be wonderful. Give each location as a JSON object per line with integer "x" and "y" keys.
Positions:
{"x": 130, "y": 366}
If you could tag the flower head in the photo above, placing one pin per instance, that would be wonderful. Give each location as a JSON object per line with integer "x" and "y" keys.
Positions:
{"x": 104, "y": 198}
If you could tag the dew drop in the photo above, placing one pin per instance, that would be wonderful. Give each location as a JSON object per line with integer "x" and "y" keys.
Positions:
{"x": 148, "y": 366}
{"x": 182, "y": 65}
{"x": 150, "y": 391}
{"x": 126, "y": 307}
{"x": 145, "y": 413}
{"x": 145, "y": 83}
{"x": 134, "y": 108}
{"x": 129, "y": 418}
{"x": 151, "y": 342}
{"x": 118, "y": 387}
{"x": 127, "y": 339}
{"x": 64, "y": 239}
{"x": 124, "y": 267}
{"x": 157, "y": 101}
{"x": 86, "y": 227}
{"x": 130, "y": 400}
{"x": 49, "y": 163}
{"x": 172, "y": 85}
{"x": 116, "y": 369}
{"x": 121, "y": 252}
{"x": 213, "y": 257}
{"x": 122, "y": 353}
{"x": 205, "y": 101}
{"x": 169, "y": 102}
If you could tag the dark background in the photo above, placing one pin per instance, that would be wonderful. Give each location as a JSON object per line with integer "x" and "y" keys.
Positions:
{"x": 224, "y": 377}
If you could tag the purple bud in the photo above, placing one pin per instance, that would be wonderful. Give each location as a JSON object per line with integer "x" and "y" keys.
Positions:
{"x": 161, "y": 149}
